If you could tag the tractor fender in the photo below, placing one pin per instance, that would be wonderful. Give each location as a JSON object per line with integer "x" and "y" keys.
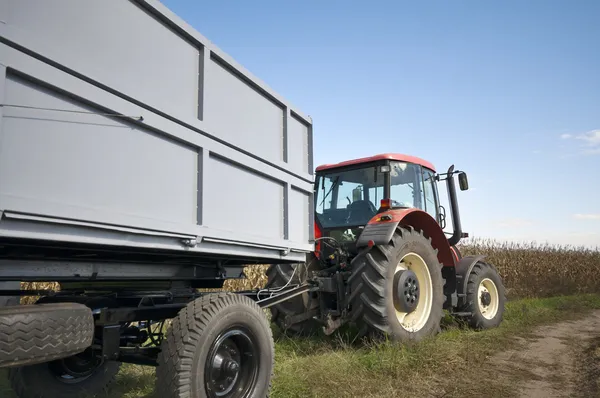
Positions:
{"x": 381, "y": 228}
{"x": 463, "y": 270}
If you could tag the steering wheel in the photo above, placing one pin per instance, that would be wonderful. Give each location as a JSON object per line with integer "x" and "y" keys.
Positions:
{"x": 360, "y": 208}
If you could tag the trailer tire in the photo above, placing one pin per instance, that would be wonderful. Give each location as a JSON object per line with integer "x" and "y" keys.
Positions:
{"x": 32, "y": 334}
{"x": 486, "y": 297}
{"x": 216, "y": 325}
{"x": 278, "y": 276}
{"x": 45, "y": 381}
{"x": 377, "y": 288}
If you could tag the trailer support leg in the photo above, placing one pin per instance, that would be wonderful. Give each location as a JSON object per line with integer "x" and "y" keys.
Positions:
{"x": 111, "y": 338}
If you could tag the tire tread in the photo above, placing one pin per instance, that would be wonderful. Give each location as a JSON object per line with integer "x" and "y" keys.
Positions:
{"x": 40, "y": 333}
{"x": 476, "y": 321}
{"x": 367, "y": 282}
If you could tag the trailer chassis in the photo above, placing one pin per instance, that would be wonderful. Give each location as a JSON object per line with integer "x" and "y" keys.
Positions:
{"x": 115, "y": 312}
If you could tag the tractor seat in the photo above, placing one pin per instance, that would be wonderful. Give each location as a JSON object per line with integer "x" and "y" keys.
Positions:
{"x": 360, "y": 211}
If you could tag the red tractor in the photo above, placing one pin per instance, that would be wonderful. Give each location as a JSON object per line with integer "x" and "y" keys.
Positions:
{"x": 382, "y": 259}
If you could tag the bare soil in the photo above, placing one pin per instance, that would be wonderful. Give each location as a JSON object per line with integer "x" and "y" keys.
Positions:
{"x": 557, "y": 360}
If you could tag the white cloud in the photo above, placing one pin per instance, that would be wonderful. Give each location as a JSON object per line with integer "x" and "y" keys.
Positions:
{"x": 587, "y": 216}
{"x": 536, "y": 151}
{"x": 591, "y": 138}
{"x": 591, "y": 141}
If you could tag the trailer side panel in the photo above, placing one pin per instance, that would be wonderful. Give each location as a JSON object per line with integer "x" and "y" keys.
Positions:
{"x": 142, "y": 128}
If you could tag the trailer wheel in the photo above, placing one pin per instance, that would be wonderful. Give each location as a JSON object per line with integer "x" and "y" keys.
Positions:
{"x": 31, "y": 334}
{"x": 397, "y": 289}
{"x": 219, "y": 345}
{"x": 77, "y": 376}
{"x": 284, "y": 314}
{"x": 486, "y": 297}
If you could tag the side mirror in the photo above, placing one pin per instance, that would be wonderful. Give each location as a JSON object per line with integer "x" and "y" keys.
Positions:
{"x": 463, "y": 181}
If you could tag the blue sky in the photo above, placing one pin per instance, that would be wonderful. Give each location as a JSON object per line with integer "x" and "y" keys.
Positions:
{"x": 507, "y": 91}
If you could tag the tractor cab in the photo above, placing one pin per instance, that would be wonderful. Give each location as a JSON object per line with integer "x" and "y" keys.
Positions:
{"x": 349, "y": 194}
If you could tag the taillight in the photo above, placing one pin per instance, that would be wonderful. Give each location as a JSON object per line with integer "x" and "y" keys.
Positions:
{"x": 318, "y": 234}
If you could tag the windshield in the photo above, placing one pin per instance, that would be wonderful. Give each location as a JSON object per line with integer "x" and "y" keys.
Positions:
{"x": 351, "y": 198}
{"x": 348, "y": 198}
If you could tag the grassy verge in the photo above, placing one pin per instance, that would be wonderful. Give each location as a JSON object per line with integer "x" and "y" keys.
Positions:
{"x": 450, "y": 364}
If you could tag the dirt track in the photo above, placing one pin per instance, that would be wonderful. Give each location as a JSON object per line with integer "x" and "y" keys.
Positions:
{"x": 558, "y": 360}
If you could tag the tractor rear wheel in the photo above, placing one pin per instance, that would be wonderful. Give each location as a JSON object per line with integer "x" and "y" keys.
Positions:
{"x": 486, "y": 297}
{"x": 294, "y": 316}
{"x": 397, "y": 289}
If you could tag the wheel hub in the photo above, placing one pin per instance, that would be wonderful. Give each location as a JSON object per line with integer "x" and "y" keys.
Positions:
{"x": 486, "y": 298}
{"x": 406, "y": 291}
{"x": 232, "y": 366}
{"x": 225, "y": 369}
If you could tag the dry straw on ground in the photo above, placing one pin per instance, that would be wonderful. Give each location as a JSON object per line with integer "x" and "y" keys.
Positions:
{"x": 528, "y": 270}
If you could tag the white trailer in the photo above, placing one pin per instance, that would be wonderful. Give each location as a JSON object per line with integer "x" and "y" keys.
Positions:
{"x": 138, "y": 163}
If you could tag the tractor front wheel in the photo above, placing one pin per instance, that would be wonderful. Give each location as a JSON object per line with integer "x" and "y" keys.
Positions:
{"x": 397, "y": 289}
{"x": 485, "y": 298}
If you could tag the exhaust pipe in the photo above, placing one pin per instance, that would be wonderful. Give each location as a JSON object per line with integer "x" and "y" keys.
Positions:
{"x": 457, "y": 234}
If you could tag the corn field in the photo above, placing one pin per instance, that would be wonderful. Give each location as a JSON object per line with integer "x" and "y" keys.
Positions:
{"x": 532, "y": 270}
{"x": 528, "y": 270}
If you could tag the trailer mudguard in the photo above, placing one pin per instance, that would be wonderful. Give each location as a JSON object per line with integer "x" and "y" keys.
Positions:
{"x": 381, "y": 228}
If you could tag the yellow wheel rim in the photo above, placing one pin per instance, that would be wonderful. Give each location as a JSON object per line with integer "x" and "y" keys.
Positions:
{"x": 416, "y": 320}
{"x": 488, "y": 287}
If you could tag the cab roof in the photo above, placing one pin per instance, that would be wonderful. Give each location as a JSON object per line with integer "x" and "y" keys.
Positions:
{"x": 384, "y": 156}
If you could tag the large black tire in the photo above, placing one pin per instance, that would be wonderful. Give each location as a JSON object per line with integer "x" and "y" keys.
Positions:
{"x": 194, "y": 335}
{"x": 31, "y": 334}
{"x": 46, "y": 380}
{"x": 372, "y": 302}
{"x": 484, "y": 316}
{"x": 278, "y": 276}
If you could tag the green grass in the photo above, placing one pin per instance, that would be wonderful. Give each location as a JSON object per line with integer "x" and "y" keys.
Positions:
{"x": 451, "y": 364}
